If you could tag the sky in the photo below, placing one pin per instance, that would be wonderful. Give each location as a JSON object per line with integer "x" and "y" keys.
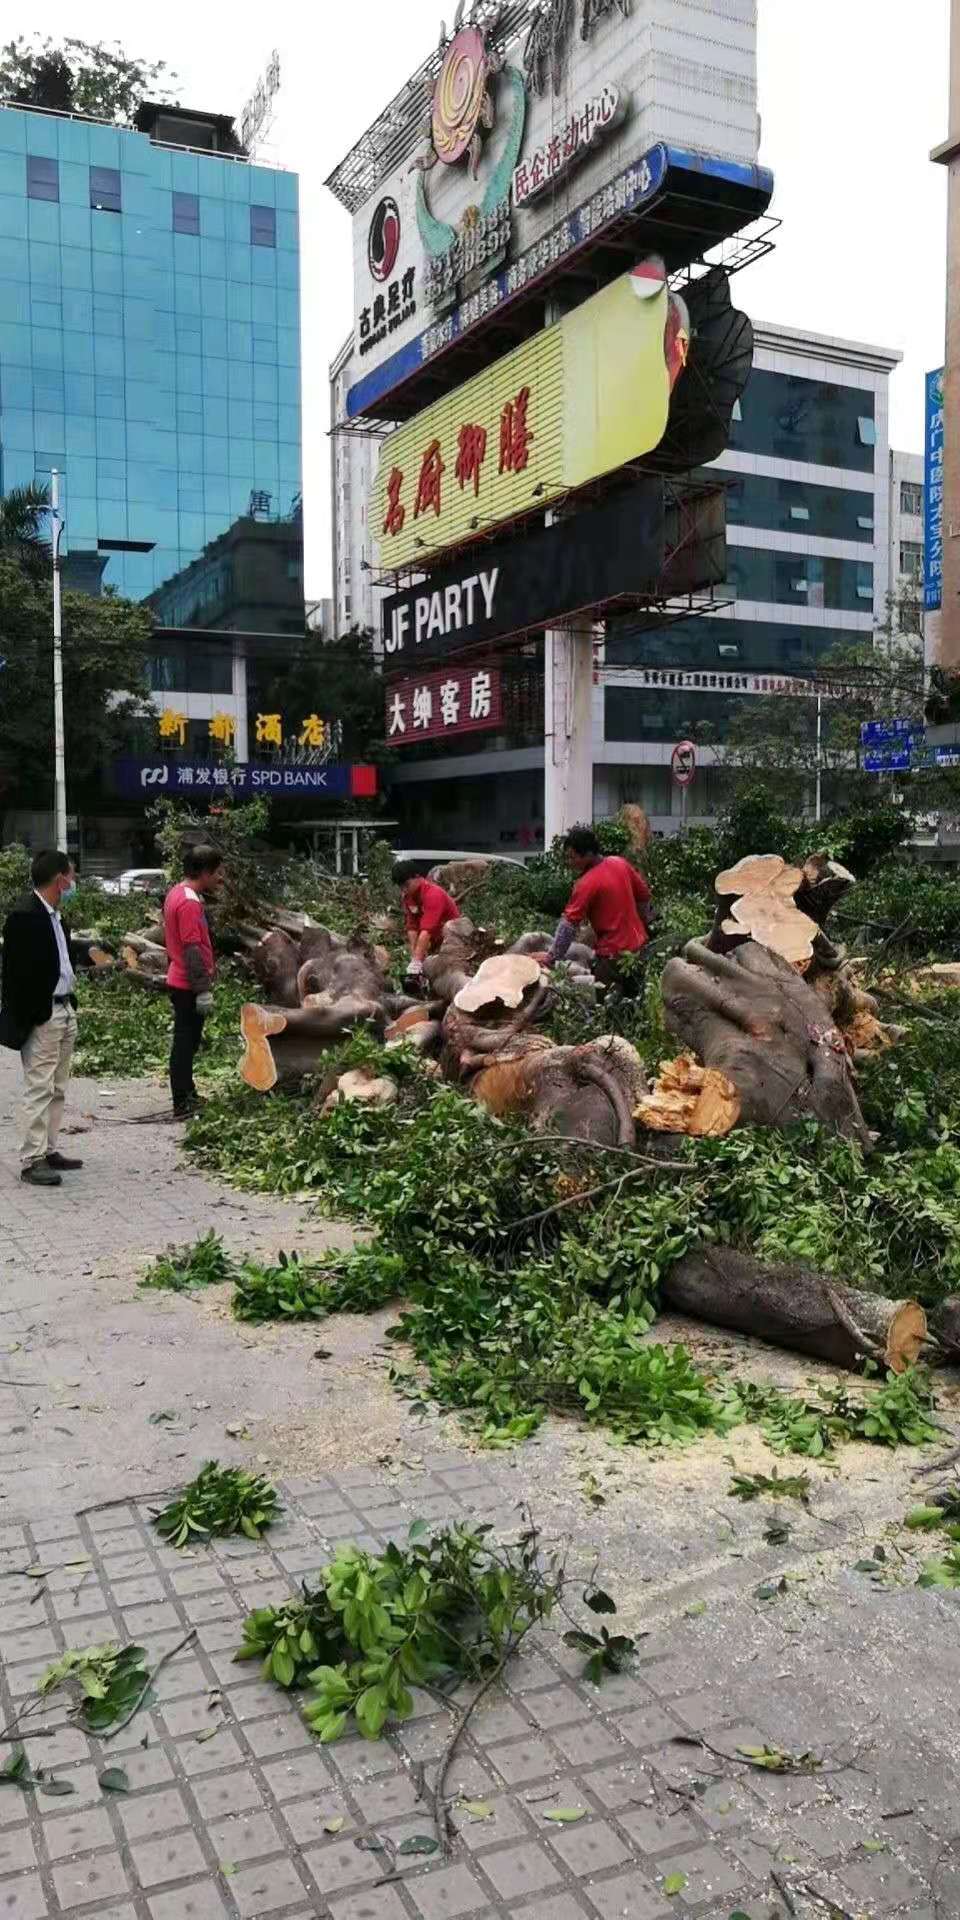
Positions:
{"x": 852, "y": 98}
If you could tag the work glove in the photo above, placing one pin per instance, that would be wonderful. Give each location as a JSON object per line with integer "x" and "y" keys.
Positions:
{"x": 204, "y": 1002}
{"x": 415, "y": 969}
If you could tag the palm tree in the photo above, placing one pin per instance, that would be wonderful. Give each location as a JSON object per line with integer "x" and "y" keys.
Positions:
{"x": 22, "y": 533}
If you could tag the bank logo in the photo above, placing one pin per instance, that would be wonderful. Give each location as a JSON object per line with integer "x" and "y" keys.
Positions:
{"x": 383, "y": 240}
{"x": 154, "y": 776}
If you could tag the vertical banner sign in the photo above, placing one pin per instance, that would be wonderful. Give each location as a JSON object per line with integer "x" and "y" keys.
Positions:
{"x": 933, "y": 493}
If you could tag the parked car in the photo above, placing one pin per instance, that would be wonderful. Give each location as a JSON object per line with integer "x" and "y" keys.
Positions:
{"x": 136, "y": 880}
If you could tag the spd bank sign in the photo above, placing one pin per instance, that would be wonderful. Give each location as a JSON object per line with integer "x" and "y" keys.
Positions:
{"x": 149, "y": 778}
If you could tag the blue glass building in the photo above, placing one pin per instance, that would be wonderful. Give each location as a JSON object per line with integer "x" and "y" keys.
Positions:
{"x": 150, "y": 351}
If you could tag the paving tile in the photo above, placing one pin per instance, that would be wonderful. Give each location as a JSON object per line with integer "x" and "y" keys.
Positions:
{"x": 17, "y": 1851}
{"x": 506, "y": 1823}
{"x": 709, "y": 1873}
{"x": 620, "y": 1785}
{"x": 500, "y": 1721}
{"x": 146, "y": 1814}
{"x": 203, "y": 1902}
{"x": 557, "y": 1707}
{"x": 99, "y": 1878}
{"x": 23, "y": 1899}
{"x": 556, "y": 1906}
{"x": 209, "y": 1756}
{"x": 306, "y": 1819}
{"x": 281, "y": 1733}
{"x": 342, "y": 1865}
{"x": 387, "y": 1797}
{"x": 517, "y": 1870}
{"x": 587, "y": 1743}
{"x": 649, "y": 1727}
{"x": 381, "y": 1903}
{"x": 75, "y": 1833}
{"x": 306, "y": 1772}
{"x": 589, "y": 1847}
{"x": 227, "y": 1793}
{"x": 446, "y": 1892}
{"x": 145, "y": 1768}
{"x": 176, "y": 1857}
{"x": 631, "y": 1896}
{"x": 249, "y": 1836}
{"x": 883, "y": 1881}
{"x": 656, "y": 1832}
{"x": 529, "y": 1759}
{"x": 190, "y": 1715}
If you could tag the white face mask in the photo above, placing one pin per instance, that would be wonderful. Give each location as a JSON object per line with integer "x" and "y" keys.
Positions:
{"x": 68, "y": 893}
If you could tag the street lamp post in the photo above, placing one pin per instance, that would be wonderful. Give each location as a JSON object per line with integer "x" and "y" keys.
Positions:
{"x": 59, "y": 754}
{"x": 819, "y": 758}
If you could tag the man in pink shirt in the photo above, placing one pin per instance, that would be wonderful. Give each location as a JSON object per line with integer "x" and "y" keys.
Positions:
{"x": 192, "y": 968}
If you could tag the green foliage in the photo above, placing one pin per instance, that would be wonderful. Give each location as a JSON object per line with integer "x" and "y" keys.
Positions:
{"x": 125, "y": 1033}
{"x": 449, "y": 1605}
{"x": 186, "y": 1269}
{"x": 341, "y": 681}
{"x": 104, "y": 648}
{"x": 893, "y": 1415}
{"x": 606, "y": 1652}
{"x": 14, "y": 876}
{"x": 78, "y": 76}
{"x": 942, "y": 1573}
{"x": 108, "y": 1680}
{"x": 238, "y": 832}
{"x": 916, "y": 908}
{"x": 296, "y": 1289}
{"x": 774, "y": 1486}
{"x": 221, "y": 1500}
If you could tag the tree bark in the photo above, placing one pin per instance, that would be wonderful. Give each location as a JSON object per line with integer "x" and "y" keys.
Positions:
{"x": 285, "y": 1043}
{"x": 795, "y": 1307}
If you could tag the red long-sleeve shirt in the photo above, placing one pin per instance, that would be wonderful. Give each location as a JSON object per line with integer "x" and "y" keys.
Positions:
{"x": 608, "y": 895}
{"x": 427, "y": 908}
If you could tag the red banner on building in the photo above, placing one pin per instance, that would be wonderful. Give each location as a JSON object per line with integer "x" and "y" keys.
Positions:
{"x": 435, "y": 706}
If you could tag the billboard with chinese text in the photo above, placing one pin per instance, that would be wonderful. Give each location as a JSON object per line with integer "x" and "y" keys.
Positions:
{"x": 544, "y": 574}
{"x": 577, "y": 401}
{"x": 439, "y": 706}
{"x": 933, "y": 492}
{"x": 521, "y": 119}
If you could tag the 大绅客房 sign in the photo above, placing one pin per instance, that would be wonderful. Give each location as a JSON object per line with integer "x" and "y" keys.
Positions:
{"x": 201, "y": 777}
{"x": 578, "y": 400}
{"x": 438, "y": 706}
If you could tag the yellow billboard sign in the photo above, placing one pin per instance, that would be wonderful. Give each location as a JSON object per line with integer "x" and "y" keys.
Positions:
{"x": 575, "y": 402}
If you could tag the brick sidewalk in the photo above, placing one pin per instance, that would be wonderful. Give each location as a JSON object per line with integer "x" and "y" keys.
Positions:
{"x": 231, "y": 1827}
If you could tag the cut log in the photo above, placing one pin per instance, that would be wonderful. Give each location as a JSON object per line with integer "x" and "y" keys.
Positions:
{"x": 691, "y": 1099}
{"x": 501, "y": 982}
{"x": 824, "y": 882}
{"x": 638, "y": 827}
{"x": 285, "y": 1043}
{"x": 424, "y": 1038}
{"x": 750, "y": 1015}
{"x": 143, "y": 958}
{"x": 756, "y": 874}
{"x": 276, "y": 962}
{"x": 364, "y": 1087}
{"x": 795, "y": 1307}
{"x": 413, "y": 1017}
{"x": 460, "y": 877}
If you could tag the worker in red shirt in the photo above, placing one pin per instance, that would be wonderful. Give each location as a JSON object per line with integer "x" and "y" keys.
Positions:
{"x": 426, "y": 910}
{"x": 192, "y": 968}
{"x": 615, "y": 898}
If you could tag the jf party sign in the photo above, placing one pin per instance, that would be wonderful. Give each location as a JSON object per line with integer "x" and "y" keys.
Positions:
{"x": 577, "y": 401}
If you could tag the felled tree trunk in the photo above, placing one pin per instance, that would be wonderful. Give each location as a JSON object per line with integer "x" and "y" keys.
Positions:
{"x": 285, "y": 1043}
{"x": 751, "y": 1015}
{"x": 275, "y": 962}
{"x": 795, "y": 1307}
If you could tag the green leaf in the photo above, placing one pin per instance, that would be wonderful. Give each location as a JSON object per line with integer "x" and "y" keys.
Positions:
{"x": 419, "y": 1843}
{"x": 206, "y": 1733}
{"x": 600, "y": 1602}
{"x": 17, "y": 1768}
{"x": 114, "y": 1780}
{"x": 695, "y": 1609}
{"x": 674, "y": 1883}
{"x": 565, "y": 1816}
{"x": 478, "y": 1809}
{"x": 58, "y": 1789}
{"x": 874, "y": 1846}
{"x": 336, "y": 1825}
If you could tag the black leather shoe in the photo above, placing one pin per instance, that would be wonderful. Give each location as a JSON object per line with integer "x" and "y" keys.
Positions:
{"x": 61, "y": 1163}
{"x": 40, "y": 1175}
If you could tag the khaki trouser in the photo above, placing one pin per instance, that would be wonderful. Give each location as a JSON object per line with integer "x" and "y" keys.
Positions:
{"x": 46, "y": 1070}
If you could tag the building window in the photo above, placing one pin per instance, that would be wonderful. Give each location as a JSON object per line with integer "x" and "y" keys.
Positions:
{"x": 105, "y": 189}
{"x": 793, "y": 418}
{"x": 911, "y": 559}
{"x": 911, "y": 499}
{"x": 43, "y": 178}
{"x": 263, "y": 227}
{"x": 186, "y": 213}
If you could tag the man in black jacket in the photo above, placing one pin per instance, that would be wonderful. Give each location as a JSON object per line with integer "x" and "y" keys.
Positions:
{"x": 37, "y": 1012}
